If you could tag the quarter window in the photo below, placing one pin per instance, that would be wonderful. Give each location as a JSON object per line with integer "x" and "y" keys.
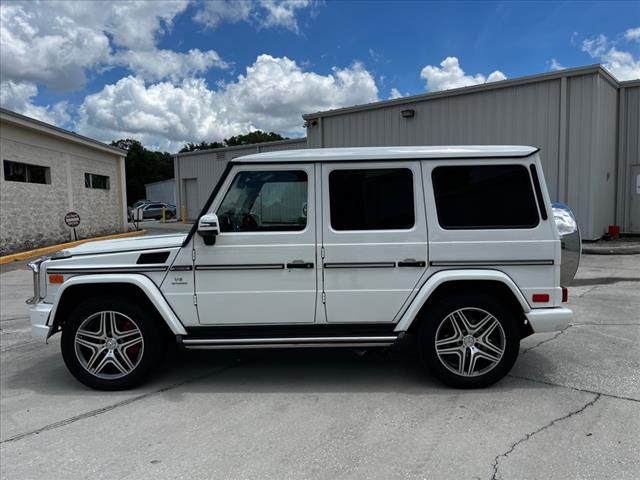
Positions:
{"x": 265, "y": 201}
{"x": 91, "y": 180}
{"x": 26, "y": 173}
{"x": 484, "y": 197}
{"x": 372, "y": 199}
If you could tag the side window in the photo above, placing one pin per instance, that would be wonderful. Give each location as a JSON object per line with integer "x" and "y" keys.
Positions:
{"x": 265, "y": 201}
{"x": 484, "y": 197}
{"x": 371, "y": 199}
{"x": 26, "y": 173}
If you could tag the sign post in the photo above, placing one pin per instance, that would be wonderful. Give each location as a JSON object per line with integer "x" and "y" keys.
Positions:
{"x": 72, "y": 220}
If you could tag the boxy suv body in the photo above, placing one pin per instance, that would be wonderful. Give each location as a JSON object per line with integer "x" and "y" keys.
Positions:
{"x": 353, "y": 247}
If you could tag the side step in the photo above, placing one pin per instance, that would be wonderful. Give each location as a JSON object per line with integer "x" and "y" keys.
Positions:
{"x": 286, "y": 342}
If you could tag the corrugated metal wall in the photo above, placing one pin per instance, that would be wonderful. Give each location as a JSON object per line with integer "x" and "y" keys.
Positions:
{"x": 207, "y": 166}
{"x": 629, "y": 153}
{"x": 571, "y": 118}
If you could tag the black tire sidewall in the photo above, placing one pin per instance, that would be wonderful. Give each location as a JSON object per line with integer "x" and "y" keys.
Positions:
{"x": 440, "y": 310}
{"x": 146, "y": 322}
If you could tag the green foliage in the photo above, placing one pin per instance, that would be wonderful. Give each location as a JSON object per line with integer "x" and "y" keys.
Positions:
{"x": 143, "y": 166}
{"x": 257, "y": 136}
{"x": 193, "y": 147}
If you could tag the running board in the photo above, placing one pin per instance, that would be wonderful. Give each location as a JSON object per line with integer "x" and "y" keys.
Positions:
{"x": 286, "y": 342}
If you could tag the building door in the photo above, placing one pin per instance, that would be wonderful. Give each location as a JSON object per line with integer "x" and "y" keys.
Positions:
{"x": 262, "y": 269}
{"x": 635, "y": 199}
{"x": 191, "y": 198}
{"x": 374, "y": 239}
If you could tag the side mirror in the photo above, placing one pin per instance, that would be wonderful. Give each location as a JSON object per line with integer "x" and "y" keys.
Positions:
{"x": 209, "y": 228}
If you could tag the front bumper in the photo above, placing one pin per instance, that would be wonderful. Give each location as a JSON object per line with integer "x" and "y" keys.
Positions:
{"x": 549, "y": 319}
{"x": 39, "y": 316}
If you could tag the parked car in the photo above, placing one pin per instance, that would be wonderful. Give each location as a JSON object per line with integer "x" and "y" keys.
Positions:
{"x": 135, "y": 205}
{"x": 352, "y": 247}
{"x": 153, "y": 210}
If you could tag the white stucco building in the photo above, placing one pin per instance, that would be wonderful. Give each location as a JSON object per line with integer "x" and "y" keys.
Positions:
{"x": 48, "y": 172}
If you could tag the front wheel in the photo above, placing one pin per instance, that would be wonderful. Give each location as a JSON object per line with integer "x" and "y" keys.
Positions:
{"x": 470, "y": 341}
{"x": 110, "y": 343}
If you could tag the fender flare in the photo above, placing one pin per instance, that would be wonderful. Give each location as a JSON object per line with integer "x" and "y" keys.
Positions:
{"x": 445, "y": 276}
{"x": 149, "y": 288}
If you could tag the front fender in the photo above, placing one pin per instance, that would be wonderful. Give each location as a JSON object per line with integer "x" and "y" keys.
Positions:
{"x": 144, "y": 283}
{"x": 444, "y": 276}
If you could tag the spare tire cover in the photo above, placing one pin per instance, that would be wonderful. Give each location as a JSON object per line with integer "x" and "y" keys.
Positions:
{"x": 570, "y": 240}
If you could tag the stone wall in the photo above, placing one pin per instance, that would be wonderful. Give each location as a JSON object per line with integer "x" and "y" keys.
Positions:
{"x": 32, "y": 215}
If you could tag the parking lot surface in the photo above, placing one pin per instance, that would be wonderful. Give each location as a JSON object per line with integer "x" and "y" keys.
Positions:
{"x": 569, "y": 409}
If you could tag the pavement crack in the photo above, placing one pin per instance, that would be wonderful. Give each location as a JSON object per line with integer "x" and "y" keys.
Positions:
{"x": 576, "y": 389}
{"x": 108, "y": 408}
{"x": 496, "y": 460}
{"x": 526, "y": 350}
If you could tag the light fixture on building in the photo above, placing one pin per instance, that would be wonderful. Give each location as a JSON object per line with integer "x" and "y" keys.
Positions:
{"x": 310, "y": 123}
{"x": 409, "y": 113}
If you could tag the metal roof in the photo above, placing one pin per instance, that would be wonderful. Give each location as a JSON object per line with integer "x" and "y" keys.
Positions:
{"x": 272, "y": 143}
{"x": 389, "y": 153}
{"x": 32, "y": 123}
{"x": 541, "y": 77}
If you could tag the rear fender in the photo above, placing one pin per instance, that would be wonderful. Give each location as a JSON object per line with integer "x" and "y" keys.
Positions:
{"x": 444, "y": 276}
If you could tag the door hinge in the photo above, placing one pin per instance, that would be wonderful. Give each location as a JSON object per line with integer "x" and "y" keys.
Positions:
{"x": 193, "y": 254}
{"x": 324, "y": 297}
{"x": 322, "y": 252}
{"x": 195, "y": 300}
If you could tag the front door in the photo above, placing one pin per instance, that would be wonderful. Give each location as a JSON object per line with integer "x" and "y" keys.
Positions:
{"x": 374, "y": 237}
{"x": 262, "y": 268}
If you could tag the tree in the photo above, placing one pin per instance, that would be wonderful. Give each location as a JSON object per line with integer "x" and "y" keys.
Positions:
{"x": 143, "y": 166}
{"x": 194, "y": 147}
{"x": 257, "y": 136}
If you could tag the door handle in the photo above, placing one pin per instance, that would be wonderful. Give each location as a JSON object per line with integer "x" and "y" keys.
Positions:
{"x": 410, "y": 262}
{"x": 300, "y": 264}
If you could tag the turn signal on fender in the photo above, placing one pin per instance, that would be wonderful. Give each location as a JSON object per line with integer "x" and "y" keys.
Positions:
{"x": 56, "y": 278}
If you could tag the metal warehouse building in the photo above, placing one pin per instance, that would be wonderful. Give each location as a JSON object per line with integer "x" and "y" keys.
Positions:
{"x": 196, "y": 173}
{"x": 586, "y": 123}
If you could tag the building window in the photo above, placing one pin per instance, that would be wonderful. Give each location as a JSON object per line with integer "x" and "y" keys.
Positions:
{"x": 26, "y": 173}
{"x": 484, "y": 197}
{"x": 372, "y": 199}
{"x": 91, "y": 180}
{"x": 265, "y": 201}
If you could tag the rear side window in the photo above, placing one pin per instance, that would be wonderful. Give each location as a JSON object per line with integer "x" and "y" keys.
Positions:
{"x": 371, "y": 199}
{"x": 484, "y": 197}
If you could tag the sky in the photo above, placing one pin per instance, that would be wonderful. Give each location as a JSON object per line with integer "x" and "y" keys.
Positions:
{"x": 171, "y": 72}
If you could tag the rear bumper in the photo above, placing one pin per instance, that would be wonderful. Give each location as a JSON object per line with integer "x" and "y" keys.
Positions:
{"x": 549, "y": 319}
{"x": 39, "y": 316}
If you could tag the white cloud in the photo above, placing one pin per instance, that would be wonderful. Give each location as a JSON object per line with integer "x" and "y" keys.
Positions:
{"x": 17, "y": 97}
{"x": 450, "y": 75}
{"x": 623, "y": 65}
{"x": 57, "y": 42}
{"x": 271, "y": 95}
{"x": 633, "y": 34}
{"x": 213, "y": 14}
{"x": 264, "y": 13}
{"x": 156, "y": 65}
{"x": 395, "y": 93}
{"x": 556, "y": 65}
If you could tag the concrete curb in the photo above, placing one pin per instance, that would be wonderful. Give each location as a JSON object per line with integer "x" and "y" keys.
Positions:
{"x": 14, "y": 257}
{"x": 617, "y": 250}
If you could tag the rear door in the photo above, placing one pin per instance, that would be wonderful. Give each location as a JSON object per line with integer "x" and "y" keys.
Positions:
{"x": 374, "y": 238}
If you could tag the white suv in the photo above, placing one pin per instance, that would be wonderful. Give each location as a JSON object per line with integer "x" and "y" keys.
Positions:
{"x": 351, "y": 247}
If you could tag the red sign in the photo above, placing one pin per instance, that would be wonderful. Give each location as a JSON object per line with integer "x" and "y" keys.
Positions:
{"x": 72, "y": 219}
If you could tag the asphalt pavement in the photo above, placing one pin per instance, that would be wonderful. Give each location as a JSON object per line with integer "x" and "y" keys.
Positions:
{"x": 569, "y": 409}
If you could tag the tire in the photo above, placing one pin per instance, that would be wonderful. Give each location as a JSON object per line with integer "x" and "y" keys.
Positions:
{"x": 133, "y": 348}
{"x": 497, "y": 331}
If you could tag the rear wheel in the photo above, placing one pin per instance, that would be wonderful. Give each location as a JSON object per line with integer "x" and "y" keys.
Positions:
{"x": 470, "y": 341}
{"x": 110, "y": 343}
